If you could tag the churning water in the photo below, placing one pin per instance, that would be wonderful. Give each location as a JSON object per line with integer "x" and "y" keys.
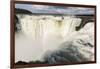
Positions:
{"x": 41, "y": 33}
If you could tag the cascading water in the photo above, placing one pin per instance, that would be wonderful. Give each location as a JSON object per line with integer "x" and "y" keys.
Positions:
{"x": 42, "y": 33}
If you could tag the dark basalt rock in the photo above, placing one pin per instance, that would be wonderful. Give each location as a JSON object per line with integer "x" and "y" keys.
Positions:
{"x": 17, "y": 25}
{"x": 85, "y": 19}
{"x": 21, "y": 63}
{"x": 30, "y": 62}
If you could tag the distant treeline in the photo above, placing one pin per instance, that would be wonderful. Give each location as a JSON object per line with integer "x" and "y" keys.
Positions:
{"x": 22, "y": 11}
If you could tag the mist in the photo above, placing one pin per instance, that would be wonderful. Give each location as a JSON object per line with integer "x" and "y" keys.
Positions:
{"x": 42, "y": 34}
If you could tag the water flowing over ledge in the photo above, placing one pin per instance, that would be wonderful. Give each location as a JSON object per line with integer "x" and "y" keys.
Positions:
{"x": 39, "y": 35}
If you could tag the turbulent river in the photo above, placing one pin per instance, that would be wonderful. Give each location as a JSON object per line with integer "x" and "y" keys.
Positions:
{"x": 40, "y": 36}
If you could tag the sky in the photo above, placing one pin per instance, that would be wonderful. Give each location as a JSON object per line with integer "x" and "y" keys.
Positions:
{"x": 55, "y": 9}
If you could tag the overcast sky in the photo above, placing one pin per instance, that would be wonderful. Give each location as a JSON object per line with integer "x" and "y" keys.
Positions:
{"x": 55, "y": 9}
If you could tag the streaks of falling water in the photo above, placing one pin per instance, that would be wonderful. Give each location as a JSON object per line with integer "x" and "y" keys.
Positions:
{"x": 36, "y": 26}
{"x": 48, "y": 30}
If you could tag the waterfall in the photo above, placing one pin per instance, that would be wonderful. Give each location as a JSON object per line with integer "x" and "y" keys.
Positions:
{"x": 40, "y": 33}
{"x": 37, "y": 27}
